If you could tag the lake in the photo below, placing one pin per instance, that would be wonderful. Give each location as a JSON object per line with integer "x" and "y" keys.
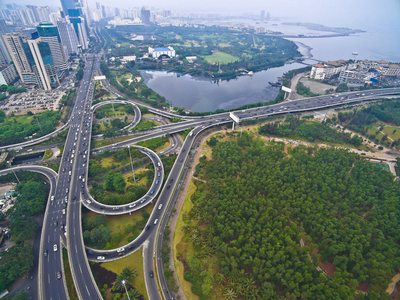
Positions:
{"x": 202, "y": 95}
{"x": 380, "y": 41}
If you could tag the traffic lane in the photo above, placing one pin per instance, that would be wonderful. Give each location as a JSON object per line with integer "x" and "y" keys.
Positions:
{"x": 96, "y": 206}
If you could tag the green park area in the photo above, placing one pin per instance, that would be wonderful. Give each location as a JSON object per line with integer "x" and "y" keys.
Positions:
{"x": 220, "y": 57}
{"x": 241, "y": 240}
{"x": 108, "y": 276}
{"x": 371, "y": 121}
{"x": 16, "y": 129}
{"x": 110, "y": 232}
{"x": 100, "y": 92}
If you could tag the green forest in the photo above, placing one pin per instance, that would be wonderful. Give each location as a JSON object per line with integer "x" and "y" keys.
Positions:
{"x": 31, "y": 199}
{"x": 259, "y": 202}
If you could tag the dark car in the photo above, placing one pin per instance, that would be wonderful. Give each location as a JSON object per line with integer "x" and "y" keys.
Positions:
{"x": 59, "y": 275}
{"x": 168, "y": 186}
{"x": 46, "y": 253}
{"x": 121, "y": 253}
{"x": 151, "y": 274}
{"x": 55, "y": 223}
{"x": 147, "y": 227}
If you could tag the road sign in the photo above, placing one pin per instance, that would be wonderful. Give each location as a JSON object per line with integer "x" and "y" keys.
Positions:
{"x": 234, "y": 117}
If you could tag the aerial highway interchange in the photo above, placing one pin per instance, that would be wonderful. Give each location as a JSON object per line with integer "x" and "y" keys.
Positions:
{"x": 62, "y": 223}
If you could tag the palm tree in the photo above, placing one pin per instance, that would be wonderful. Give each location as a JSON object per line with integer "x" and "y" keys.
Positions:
{"x": 133, "y": 294}
{"x": 129, "y": 273}
{"x": 230, "y": 294}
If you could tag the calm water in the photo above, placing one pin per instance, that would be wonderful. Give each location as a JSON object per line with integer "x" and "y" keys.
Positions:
{"x": 205, "y": 95}
{"x": 380, "y": 41}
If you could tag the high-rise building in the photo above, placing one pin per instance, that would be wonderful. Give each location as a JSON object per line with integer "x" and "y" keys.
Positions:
{"x": 4, "y": 56}
{"x": 16, "y": 45}
{"x": 78, "y": 22}
{"x": 145, "y": 16}
{"x": 262, "y": 16}
{"x": 68, "y": 37}
{"x": 34, "y": 60}
{"x": 103, "y": 12}
{"x": 68, "y": 4}
{"x": 49, "y": 34}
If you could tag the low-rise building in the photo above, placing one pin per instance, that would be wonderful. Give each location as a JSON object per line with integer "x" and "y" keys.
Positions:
{"x": 157, "y": 52}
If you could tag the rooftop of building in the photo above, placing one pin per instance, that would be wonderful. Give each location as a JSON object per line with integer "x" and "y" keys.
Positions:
{"x": 162, "y": 49}
{"x": 319, "y": 66}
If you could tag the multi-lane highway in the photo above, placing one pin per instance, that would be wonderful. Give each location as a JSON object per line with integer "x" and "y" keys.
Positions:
{"x": 69, "y": 187}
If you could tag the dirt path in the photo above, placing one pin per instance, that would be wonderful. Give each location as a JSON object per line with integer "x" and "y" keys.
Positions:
{"x": 392, "y": 285}
{"x": 178, "y": 207}
{"x": 293, "y": 95}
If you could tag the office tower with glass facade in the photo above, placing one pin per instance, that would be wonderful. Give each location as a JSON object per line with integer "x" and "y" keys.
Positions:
{"x": 68, "y": 37}
{"x": 49, "y": 34}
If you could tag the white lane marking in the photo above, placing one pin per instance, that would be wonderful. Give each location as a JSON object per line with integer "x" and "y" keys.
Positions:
{"x": 80, "y": 268}
{"x": 74, "y": 216}
{"x": 48, "y": 278}
{"x": 87, "y": 290}
{"x": 76, "y": 249}
{"x": 48, "y": 239}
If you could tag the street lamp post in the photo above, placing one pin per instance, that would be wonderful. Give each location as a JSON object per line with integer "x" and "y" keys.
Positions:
{"x": 133, "y": 172}
{"x": 123, "y": 282}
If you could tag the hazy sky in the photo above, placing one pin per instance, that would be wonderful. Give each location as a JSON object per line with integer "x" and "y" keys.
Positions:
{"x": 328, "y": 12}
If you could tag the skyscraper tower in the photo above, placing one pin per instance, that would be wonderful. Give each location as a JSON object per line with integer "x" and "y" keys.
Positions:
{"x": 69, "y": 4}
{"x": 49, "y": 34}
{"x": 78, "y": 22}
{"x": 33, "y": 60}
{"x": 4, "y": 56}
{"x": 15, "y": 45}
{"x": 68, "y": 37}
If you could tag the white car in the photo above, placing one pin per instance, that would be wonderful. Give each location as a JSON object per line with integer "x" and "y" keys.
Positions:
{"x": 155, "y": 221}
{"x": 101, "y": 258}
{"x": 132, "y": 205}
{"x": 52, "y": 198}
{"x": 88, "y": 201}
{"x": 160, "y": 206}
{"x": 55, "y": 247}
{"x": 122, "y": 249}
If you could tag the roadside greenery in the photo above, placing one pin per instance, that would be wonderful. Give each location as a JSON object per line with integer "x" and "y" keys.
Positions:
{"x": 110, "y": 232}
{"x": 312, "y": 131}
{"x": 304, "y": 91}
{"x": 14, "y": 129}
{"x": 342, "y": 207}
{"x": 369, "y": 121}
{"x": 31, "y": 199}
{"x": 155, "y": 143}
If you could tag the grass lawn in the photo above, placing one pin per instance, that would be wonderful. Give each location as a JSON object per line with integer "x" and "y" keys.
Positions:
{"x": 47, "y": 154}
{"x": 118, "y": 223}
{"x": 106, "y": 162}
{"x": 134, "y": 260}
{"x": 389, "y": 131}
{"x": 141, "y": 182}
{"x": 180, "y": 244}
{"x": 372, "y": 130}
{"x": 144, "y": 124}
{"x": 221, "y": 57}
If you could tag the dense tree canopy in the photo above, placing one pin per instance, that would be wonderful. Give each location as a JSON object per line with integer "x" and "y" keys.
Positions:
{"x": 259, "y": 202}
